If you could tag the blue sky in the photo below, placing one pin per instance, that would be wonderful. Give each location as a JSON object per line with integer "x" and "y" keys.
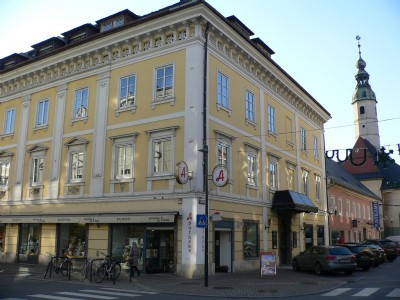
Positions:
{"x": 314, "y": 41}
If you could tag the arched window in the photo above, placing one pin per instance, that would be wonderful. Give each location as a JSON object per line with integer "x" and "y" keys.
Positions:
{"x": 362, "y": 110}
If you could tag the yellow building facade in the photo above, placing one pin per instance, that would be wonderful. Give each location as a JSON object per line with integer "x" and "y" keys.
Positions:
{"x": 94, "y": 128}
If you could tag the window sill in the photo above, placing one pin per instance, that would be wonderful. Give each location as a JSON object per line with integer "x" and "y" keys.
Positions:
{"x": 227, "y": 109}
{"x": 122, "y": 180}
{"x": 40, "y": 127}
{"x": 11, "y": 134}
{"x": 251, "y": 186}
{"x": 157, "y": 101}
{"x": 304, "y": 152}
{"x": 290, "y": 144}
{"x": 251, "y": 123}
{"x": 84, "y": 119}
{"x": 131, "y": 108}
{"x": 273, "y": 134}
{"x": 161, "y": 177}
{"x": 72, "y": 183}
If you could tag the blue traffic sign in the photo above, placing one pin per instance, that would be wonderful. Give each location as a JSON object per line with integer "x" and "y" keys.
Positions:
{"x": 201, "y": 221}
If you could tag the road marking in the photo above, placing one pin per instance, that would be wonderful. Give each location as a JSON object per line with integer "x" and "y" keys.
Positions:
{"x": 42, "y": 296}
{"x": 366, "y": 292}
{"x": 129, "y": 291}
{"x": 12, "y": 299}
{"x": 336, "y": 292}
{"x": 87, "y": 295}
{"x": 109, "y": 293}
{"x": 394, "y": 293}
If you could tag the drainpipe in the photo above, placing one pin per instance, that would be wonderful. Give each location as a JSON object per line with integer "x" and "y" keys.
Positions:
{"x": 205, "y": 156}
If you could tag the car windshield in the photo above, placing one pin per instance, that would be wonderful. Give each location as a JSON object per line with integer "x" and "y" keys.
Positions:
{"x": 388, "y": 243}
{"x": 339, "y": 251}
{"x": 359, "y": 248}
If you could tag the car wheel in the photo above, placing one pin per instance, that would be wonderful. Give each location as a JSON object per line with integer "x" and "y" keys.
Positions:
{"x": 365, "y": 268}
{"x": 348, "y": 272}
{"x": 318, "y": 269}
{"x": 295, "y": 266}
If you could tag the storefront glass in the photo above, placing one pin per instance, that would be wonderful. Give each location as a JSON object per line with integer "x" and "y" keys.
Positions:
{"x": 159, "y": 250}
{"x": 29, "y": 243}
{"x": 250, "y": 239}
{"x": 71, "y": 239}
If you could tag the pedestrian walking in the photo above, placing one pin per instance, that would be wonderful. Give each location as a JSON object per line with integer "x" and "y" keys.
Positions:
{"x": 134, "y": 254}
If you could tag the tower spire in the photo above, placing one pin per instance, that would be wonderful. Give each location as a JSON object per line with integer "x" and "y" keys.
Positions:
{"x": 364, "y": 104}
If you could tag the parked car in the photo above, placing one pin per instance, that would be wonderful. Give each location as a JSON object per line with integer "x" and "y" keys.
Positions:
{"x": 364, "y": 256}
{"x": 322, "y": 259}
{"x": 396, "y": 239}
{"x": 388, "y": 246}
{"x": 380, "y": 253}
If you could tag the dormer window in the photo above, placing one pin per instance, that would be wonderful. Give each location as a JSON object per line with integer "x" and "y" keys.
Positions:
{"x": 45, "y": 49}
{"x": 108, "y": 25}
{"x": 78, "y": 37}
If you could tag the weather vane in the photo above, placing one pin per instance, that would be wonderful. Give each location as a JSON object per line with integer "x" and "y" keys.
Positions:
{"x": 358, "y": 38}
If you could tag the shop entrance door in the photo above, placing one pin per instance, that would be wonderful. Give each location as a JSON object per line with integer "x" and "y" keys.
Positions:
{"x": 285, "y": 245}
{"x": 159, "y": 253}
{"x": 29, "y": 243}
{"x": 223, "y": 250}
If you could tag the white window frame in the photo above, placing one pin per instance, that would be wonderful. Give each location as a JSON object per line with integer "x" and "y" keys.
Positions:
{"x": 118, "y": 142}
{"x": 223, "y": 90}
{"x": 273, "y": 175}
{"x": 305, "y": 179}
{"x": 5, "y": 168}
{"x": 347, "y": 208}
{"x": 250, "y": 107}
{"x": 316, "y": 148}
{"x": 160, "y": 93}
{"x": 340, "y": 207}
{"x": 76, "y": 146}
{"x": 125, "y": 93}
{"x": 271, "y": 119}
{"x": 354, "y": 210}
{"x": 333, "y": 205}
{"x": 42, "y": 112}
{"x": 37, "y": 174}
{"x": 368, "y": 213}
{"x": 303, "y": 134}
{"x": 318, "y": 188}
{"x": 358, "y": 211}
{"x": 9, "y": 121}
{"x": 73, "y": 174}
{"x": 252, "y": 165}
{"x": 291, "y": 176}
{"x": 81, "y": 103}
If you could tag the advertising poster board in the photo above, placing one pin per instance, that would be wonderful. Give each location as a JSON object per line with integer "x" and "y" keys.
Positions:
{"x": 267, "y": 263}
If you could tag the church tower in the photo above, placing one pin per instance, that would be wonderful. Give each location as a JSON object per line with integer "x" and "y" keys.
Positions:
{"x": 364, "y": 105}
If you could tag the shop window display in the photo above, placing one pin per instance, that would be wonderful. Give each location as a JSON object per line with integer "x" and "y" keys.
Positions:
{"x": 72, "y": 239}
{"x": 29, "y": 245}
{"x": 2, "y": 236}
{"x": 250, "y": 239}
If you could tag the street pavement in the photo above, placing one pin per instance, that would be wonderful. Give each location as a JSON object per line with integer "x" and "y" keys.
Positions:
{"x": 250, "y": 284}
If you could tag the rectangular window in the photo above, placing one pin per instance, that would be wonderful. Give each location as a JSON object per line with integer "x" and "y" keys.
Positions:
{"x": 81, "y": 103}
{"x": 4, "y": 172}
{"x": 273, "y": 175}
{"x": 305, "y": 182}
{"x": 303, "y": 139}
{"x": 347, "y": 208}
{"x": 318, "y": 188}
{"x": 358, "y": 211}
{"x": 251, "y": 168}
{"x": 223, "y": 154}
{"x": 76, "y": 166}
{"x": 42, "y": 113}
{"x": 250, "y": 240}
{"x": 127, "y": 91}
{"x": 271, "y": 119}
{"x": 164, "y": 82}
{"x": 223, "y": 90}
{"x": 250, "y": 116}
{"x": 354, "y": 210}
{"x": 340, "y": 212}
{"x": 289, "y": 131}
{"x": 162, "y": 151}
{"x": 124, "y": 160}
{"x": 333, "y": 205}
{"x": 9, "y": 121}
{"x": 315, "y": 145}
{"x": 37, "y": 170}
{"x": 290, "y": 179}
{"x": 363, "y": 212}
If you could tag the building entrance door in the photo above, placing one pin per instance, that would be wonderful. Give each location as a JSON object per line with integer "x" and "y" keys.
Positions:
{"x": 284, "y": 236}
{"x": 159, "y": 250}
{"x": 223, "y": 250}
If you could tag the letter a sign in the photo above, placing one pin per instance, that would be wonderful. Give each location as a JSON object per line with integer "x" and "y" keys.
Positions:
{"x": 220, "y": 176}
{"x": 182, "y": 172}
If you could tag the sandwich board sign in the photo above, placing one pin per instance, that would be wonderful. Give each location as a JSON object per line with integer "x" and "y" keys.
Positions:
{"x": 267, "y": 263}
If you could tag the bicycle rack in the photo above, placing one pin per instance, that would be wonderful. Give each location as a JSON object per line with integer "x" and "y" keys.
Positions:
{"x": 70, "y": 264}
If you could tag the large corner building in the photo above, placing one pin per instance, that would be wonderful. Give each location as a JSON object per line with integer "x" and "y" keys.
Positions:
{"x": 112, "y": 132}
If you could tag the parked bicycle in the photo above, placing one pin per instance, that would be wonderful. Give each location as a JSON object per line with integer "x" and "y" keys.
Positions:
{"x": 85, "y": 271}
{"x": 109, "y": 268}
{"x": 58, "y": 264}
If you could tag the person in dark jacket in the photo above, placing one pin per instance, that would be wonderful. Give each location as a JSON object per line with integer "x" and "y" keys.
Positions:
{"x": 134, "y": 253}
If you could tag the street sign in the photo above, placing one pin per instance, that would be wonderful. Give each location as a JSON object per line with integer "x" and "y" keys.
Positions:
{"x": 201, "y": 221}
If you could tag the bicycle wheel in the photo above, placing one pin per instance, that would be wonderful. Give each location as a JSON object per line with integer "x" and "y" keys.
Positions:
{"x": 47, "y": 270}
{"x": 115, "y": 269}
{"x": 84, "y": 272}
{"x": 101, "y": 273}
{"x": 64, "y": 267}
